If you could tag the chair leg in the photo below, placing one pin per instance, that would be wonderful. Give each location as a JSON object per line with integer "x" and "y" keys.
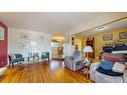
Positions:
{"x": 9, "y": 64}
{"x": 48, "y": 59}
{"x": 12, "y": 65}
{"x": 1, "y": 77}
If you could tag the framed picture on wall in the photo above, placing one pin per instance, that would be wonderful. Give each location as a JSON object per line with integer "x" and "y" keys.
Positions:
{"x": 41, "y": 37}
{"x": 1, "y": 33}
{"x": 107, "y": 37}
{"x": 72, "y": 40}
{"x": 72, "y": 43}
{"x": 76, "y": 47}
{"x": 24, "y": 35}
{"x": 123, "y": 35}
{"x": 24, "y": 46}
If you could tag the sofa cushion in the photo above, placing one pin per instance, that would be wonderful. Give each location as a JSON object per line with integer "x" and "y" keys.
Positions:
{"x": 118, "y": 67}
{"x": 107, "y": 65}
{"x": 108, "y": 72}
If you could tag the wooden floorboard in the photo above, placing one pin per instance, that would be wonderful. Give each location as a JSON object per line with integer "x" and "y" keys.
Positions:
{"x": 53, "y": 72}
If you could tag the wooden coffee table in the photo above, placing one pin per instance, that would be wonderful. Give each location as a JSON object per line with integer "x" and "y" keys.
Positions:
{"x": 28, "y": 66}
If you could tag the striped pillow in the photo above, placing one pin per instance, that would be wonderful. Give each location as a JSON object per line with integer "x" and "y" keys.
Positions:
{"x": 113, "y": 57}
{"x": 110, "y": 59}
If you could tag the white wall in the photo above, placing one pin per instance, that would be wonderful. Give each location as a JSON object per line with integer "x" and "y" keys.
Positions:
{"x": 43, "y": 45}
{"x": 69, "y": 48}
{"x": 79, "y": 43}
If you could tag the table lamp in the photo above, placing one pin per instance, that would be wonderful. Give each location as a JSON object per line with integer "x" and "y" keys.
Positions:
{"x": 87, "y": 49}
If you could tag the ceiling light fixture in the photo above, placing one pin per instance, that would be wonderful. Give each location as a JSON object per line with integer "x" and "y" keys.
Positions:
{"x": 101, "y": 28}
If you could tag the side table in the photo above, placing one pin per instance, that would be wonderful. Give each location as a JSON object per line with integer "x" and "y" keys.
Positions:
{"x": 86, "y": 69}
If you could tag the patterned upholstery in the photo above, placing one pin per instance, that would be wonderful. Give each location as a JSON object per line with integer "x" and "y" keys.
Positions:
{"x": 74, "y": 62}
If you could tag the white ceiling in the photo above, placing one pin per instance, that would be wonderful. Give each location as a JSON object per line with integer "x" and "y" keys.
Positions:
{"x": 107, "y": 27}
{"x": 52, "y": 22}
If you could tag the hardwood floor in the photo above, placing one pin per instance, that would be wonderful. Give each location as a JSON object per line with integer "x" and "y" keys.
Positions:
{"x": 53, "y": 72}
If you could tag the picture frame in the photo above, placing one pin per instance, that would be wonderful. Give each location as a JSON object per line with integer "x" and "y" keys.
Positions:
{"x": 123, "y": 35}
{"x": 107, "y": 37}
{"x": 72, "y": 40}
{"x": 24, "y": 46}
{"x": 41, "y": 37}
{"x": 72, "y": 43}
{"x": 76, "y": 47}
{"x": 24, "y": 35}
{"x": 1, "y": 33}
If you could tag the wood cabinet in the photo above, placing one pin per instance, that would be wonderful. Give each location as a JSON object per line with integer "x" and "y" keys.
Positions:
{"x": 90, "y": 42}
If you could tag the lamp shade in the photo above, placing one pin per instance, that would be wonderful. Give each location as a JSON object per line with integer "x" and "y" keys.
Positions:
{"x": 88, "y": 49}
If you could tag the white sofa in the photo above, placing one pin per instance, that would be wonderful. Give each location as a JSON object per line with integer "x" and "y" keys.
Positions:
{"x": 102, "y": 78}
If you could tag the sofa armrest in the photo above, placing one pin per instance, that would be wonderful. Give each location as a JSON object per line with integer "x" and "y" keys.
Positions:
{"x": 93, "y": 67}
{"x": 125, "y": 76}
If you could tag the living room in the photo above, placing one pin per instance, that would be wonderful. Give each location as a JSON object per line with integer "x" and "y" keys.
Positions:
{"x": 26, "y": 49}
{"x": 63, "y": 47}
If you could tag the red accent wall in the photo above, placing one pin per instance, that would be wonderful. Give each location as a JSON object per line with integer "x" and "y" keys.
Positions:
{"x": 4, "y": 46}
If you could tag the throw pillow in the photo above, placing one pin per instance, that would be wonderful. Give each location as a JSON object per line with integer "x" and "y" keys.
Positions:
{"x": 108, "y": 72}
{"x": 113, "y": 57}
{"x": 107, "y": 65}
{"x": 110, "y": 59}
{"x": 118, "y": 67}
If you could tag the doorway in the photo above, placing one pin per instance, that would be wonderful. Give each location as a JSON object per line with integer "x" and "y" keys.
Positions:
{"x": 57, "y": 50}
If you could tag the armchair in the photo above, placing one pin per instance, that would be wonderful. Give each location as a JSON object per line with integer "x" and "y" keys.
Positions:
{"x": 16, "y": 58}
{"x": 74, "y": 62}
{"x": 33, "y": 56}
{"x": 45, "y": 55}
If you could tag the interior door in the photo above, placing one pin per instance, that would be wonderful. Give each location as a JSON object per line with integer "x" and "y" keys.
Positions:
{"x": 4, "y": 46}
